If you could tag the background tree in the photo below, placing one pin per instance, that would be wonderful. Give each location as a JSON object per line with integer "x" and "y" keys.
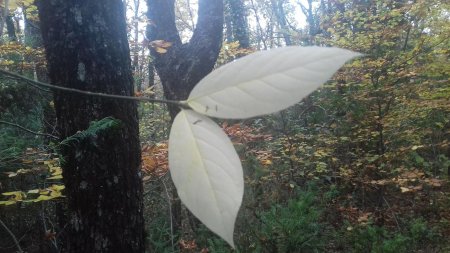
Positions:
{"x": 87, "y": 48}
{"x": 312, "y": 19}
{"x": 236, "y": 23}
{"x": 274, "y": 23}
{"x": 10, "y": 27}
{"x": 278, "y": 9}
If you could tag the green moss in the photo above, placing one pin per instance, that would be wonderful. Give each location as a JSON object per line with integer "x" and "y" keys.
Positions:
{"x": 107, "y": 125}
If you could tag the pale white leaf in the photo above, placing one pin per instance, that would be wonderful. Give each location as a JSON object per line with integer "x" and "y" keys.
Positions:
{"x": 266, "y": 81}
{"x": 206, "y": 171}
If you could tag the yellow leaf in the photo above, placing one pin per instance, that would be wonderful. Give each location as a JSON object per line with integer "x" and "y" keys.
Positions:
{"x": 161, "y": 50}
{"x": 35, "y": 191}
{"x": 7, "y": 203}
{"x": 44, "y": 192}
{"x": 56, "y": 171}
{"x": 55, "y": 194}
{"x": 160, "y": 46}
{"x": 416, "y": 147}
{"x": 56, "y": 177}
{"x": 28, "y": 2}
{"x": 43, "y": 198}
{"x": 267, "y": 162}
{"x": 161, "y": 43}
{"x": 15, "y": 193}
{"x": 57, "y": 187}
{"x": 404, "y": 189}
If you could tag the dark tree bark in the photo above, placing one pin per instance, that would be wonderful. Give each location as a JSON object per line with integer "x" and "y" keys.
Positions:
{"x": 3, "y": 12}
{"x": 184, "y": 65}
{"x": 11, "y": 28}
{"x": 87, "y": 48}
{"x": 238, "y": 17}
{"x": 278, "y": 9}
{"x": 136, "y": 48}
{"x": 228, "y": 24}
{"x": 261, "y": 38}
{"x": 311, "y": 17}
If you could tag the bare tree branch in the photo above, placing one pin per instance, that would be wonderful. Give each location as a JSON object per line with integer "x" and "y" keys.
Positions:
{"x": 28, "y": 130}
{"x": 88, "y": 93}
{"x": 12, "y": 236}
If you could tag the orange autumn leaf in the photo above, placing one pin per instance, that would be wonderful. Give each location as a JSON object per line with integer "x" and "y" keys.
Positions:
{"x": 155, "y": 160}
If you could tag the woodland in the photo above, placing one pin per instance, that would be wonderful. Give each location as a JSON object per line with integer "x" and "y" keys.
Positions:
{"x": 92, "y": 93}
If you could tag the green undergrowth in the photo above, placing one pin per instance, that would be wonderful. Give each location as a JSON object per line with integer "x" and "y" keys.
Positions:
{"x": 416, "y": 236}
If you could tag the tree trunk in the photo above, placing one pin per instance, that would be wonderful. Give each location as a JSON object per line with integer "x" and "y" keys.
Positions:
{"x": 278, "y": 9}
{"x": 87, "y": 48}
{"x": 261, "y": 38}
{"x": 228, "y": 24}
{"x": 184, "y": 65}
{"x": 11, "y": 28}
{"x": 238, "y": 15}
{"x": 135, "y": 48}
{"x": 311, "y": 20}
{"x": 3, "y": 14}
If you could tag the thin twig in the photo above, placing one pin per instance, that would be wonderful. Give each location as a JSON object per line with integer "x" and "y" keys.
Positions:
{"x": 180, "y": 104}
{"x": 31, "y": 84}
{"x": 12, "y": 235}
{"x": 62, "y": 231}
{"x": 393, "y": 214}
{"x": 46, "y": 230}
{"x": 13, "y": 245}
{"x": 170, "y": 213}
{"x": 28, "y": 130}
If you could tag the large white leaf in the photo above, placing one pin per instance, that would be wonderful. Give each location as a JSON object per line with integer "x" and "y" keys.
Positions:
{"x": 266, "y": 81}
{"x": 206, "y": 171}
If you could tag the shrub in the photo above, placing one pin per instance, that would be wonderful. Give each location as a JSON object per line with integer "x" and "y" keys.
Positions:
{"x": 374, "y": 239}
{"x": 293, "y": 228}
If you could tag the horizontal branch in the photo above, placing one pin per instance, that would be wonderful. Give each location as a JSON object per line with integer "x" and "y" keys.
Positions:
{"x": 89, "y": 93}
{"x": 28, "y": 130}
